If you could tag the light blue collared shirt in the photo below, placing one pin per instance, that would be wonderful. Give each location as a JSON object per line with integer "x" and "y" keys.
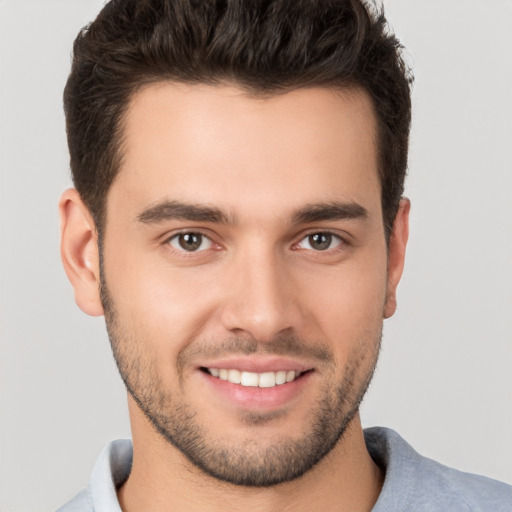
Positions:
{"x": 412, "y": 483}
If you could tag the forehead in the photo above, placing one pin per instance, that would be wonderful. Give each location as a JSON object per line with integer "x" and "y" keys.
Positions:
{"x": 218, "y": 144}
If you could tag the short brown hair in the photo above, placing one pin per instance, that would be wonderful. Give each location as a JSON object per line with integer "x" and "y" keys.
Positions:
{"x": 264, "y": 46}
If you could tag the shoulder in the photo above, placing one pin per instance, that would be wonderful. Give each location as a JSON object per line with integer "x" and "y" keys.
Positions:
{"x": 110, "y": 471}
{"x": 414, "y": 482}
{"x": 82, "y": 502}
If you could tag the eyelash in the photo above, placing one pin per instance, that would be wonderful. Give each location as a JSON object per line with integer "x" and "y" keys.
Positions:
{"x": 176, "y": 238}
{"x": 331, "y": 238}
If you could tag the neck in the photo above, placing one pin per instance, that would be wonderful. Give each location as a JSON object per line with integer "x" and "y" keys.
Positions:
{"x": 163, "y": 480}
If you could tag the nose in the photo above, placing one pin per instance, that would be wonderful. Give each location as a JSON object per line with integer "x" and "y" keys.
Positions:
{"x": 262, "y": 300}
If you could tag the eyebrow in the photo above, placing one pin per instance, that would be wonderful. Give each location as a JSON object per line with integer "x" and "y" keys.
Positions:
{"x": 177, "y": 210}
{"x": 317, "y": 212}
{"x": 329, "y": 211}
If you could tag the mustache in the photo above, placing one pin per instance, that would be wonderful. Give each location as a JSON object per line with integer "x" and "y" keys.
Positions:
{"x": 280, "y": 346}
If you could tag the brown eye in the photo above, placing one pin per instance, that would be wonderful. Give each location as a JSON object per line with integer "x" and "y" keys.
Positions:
{"x": 320, "y": 241}
{"x": 190, "y": 242}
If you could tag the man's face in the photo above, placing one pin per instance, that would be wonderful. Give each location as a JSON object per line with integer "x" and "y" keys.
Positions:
{"x": 244, "y": 241}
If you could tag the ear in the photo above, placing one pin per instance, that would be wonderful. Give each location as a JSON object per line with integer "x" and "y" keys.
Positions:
{"x": 396, "y": 254}
{"x": 79, "y": 252}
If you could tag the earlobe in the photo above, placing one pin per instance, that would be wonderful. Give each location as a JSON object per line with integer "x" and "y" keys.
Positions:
{"x": 396, "y": 255}
{"x": 79, "y": 252}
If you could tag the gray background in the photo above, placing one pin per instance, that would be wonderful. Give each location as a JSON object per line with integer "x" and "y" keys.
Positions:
{"x": 444, "y": 378}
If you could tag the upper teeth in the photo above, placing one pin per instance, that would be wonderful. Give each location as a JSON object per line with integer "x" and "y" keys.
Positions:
{"x": 262, "y": 380}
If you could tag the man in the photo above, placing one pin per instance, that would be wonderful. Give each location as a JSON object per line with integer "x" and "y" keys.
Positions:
{"x": 238, "y": 218}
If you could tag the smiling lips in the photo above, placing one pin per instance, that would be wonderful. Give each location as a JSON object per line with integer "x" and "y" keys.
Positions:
{"x": 253, "y": 379}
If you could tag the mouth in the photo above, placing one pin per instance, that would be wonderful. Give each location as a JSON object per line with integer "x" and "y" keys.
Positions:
{"x": 267, "y": 379}
{"x": 263, "y": 383}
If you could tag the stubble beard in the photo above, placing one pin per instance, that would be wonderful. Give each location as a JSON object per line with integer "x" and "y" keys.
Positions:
{"x": 246, "y": 463}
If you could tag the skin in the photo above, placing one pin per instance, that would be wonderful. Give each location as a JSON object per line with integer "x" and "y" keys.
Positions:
{"x": 257, "y": 279}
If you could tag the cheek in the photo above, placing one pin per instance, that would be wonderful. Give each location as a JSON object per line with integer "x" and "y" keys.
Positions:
{"x": 168, "y": 306}
{"x": 348, "y": 304}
